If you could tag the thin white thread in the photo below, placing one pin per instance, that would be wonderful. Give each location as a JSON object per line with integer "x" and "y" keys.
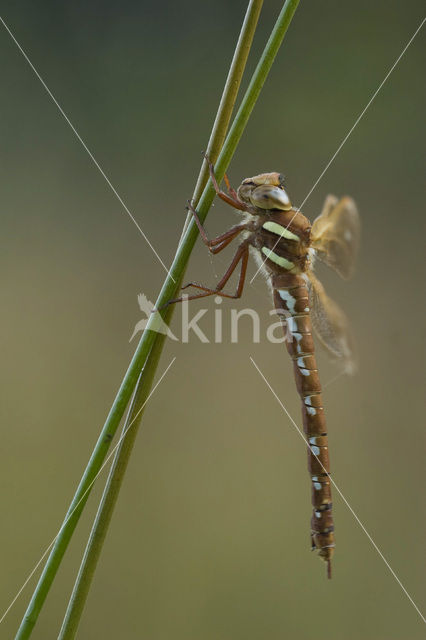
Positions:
{"x": 336, "y": 377}
{"x": 90, "y": 154}
{"x": 123, "y": 435}
{"x": 341, "y": 495}
{"x": 347, "y": 135}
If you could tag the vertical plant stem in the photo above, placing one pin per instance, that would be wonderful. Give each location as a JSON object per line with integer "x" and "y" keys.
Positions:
{"x": 109, "y": 497}
{"x": 113, "y": 485}
{"x": 229, "y": 96}
{"x": 168, "y": 291}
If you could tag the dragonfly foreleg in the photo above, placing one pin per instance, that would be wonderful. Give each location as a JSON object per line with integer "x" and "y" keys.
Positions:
{"x": 231, "y": 199}
{"x": 231, "y": 191}
{"x": 241, "y": 255}
{"x": 217, "y": 244}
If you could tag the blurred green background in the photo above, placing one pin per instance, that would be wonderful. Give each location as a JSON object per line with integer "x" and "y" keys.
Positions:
{"x": 210, "y": 538}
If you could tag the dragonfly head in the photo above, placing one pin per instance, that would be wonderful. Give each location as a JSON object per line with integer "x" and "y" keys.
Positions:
{"x": 265, "y": 191}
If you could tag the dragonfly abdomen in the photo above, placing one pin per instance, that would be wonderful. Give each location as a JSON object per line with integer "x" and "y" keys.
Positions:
{"x": 291, "y": 299}
{"x": 284, "y": 243}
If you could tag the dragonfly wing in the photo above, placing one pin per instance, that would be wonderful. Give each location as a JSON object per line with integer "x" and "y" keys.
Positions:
{"x": 335, "y": 234}
{"x": 331, "y": 325}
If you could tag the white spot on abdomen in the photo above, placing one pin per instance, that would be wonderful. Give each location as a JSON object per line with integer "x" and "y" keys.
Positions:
{"x": 297, "y": 337}
{"x": 301, "y": 365}
{"x": 288, "y": 299}
{"x": 292, "y": 325}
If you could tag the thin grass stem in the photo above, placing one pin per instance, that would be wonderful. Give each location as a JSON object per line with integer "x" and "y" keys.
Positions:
{"x": 150, "y": 336}
{"x": 134, "y": 417}
{"x": 110, "y": 494}
{"x": 229, "y": 95}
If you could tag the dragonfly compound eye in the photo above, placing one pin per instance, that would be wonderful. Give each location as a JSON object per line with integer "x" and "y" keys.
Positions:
{"x": 268, "y": 197}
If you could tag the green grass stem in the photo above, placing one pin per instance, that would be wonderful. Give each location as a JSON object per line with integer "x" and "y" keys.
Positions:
{"x": 149, "y": 337}
{"x": 143, "y": 388}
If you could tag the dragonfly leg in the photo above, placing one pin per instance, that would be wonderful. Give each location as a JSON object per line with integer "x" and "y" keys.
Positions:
{"x": 222, "y": 246}
{"x": 230, "y": 189}
{"x": 233, "y": 198}
{"x": 241, "y": 255}
{"x": 226, "y": 237}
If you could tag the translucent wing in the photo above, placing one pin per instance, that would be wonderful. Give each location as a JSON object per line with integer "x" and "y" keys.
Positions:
{"x": 331, "y": 325}
{"x": 335, "y": 235}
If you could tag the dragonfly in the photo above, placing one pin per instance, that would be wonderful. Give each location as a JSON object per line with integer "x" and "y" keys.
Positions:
{"x": 285, "y": 246}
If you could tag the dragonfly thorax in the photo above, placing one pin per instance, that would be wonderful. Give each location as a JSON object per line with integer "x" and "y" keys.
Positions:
{"x": 282, "y": 239}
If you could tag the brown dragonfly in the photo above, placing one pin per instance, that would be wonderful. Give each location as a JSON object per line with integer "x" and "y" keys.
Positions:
{"x": 285, "y": 245}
